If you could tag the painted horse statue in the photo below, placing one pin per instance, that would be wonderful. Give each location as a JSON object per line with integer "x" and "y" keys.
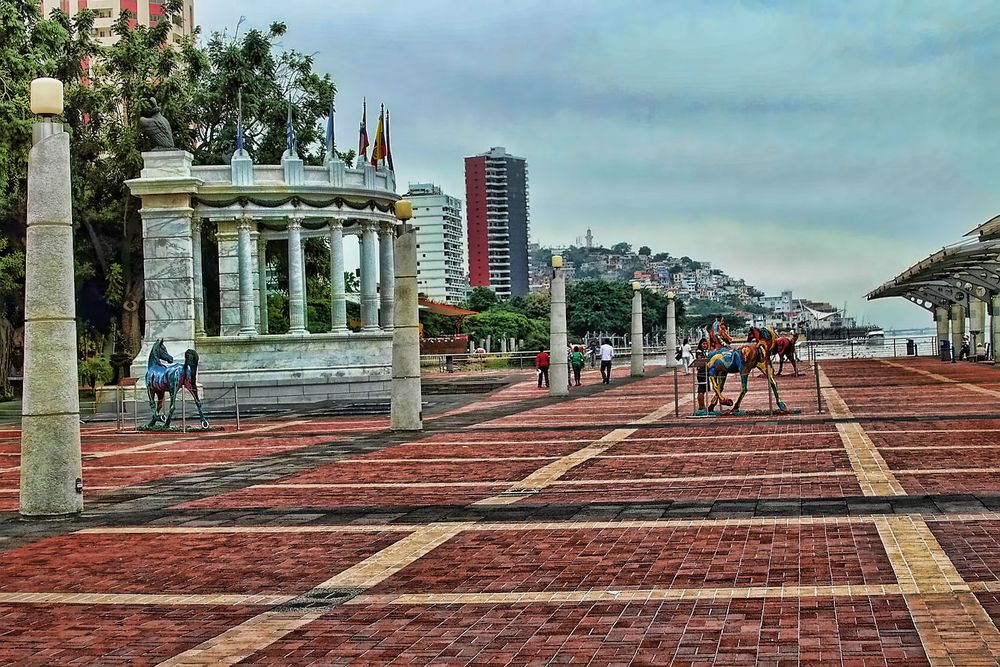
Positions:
{"x": 741, "y": 360}
{"x": 161, "y": 379}
{"x": 785, "y": 349}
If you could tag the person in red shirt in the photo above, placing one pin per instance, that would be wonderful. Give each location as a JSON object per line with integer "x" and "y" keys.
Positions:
{"x": 542, "y": 364}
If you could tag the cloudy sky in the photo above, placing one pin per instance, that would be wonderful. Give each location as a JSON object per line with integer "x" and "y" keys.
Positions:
{"x": 815, "y": 146}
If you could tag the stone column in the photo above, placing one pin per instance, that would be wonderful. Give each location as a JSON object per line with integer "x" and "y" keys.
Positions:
{"x": 671, "y": 331}
{"x": 199, "y": 287}
{"x": 305, "y": 289}
{"x": 941, "y": 321}
{"x": 977, "y": 322}
{"x": 386, "y": 238}
{"x": 406, "y": 406}
{"x": 338, "y": 293}
{"x": 248, "y": 325}
{"x": 165, "y": 187}
{"x": 558, "y": 368}
{"x": 262, "y": 282}
{"x": 227, "y": 235}
{"x": 638, "y": 365}
{"x": 51, "y": 464}
{"x": 995, "y": 328}
{"x": 369, "y": 297}
{"x": 296, "y": 303}
{"x": 957, "y": 328}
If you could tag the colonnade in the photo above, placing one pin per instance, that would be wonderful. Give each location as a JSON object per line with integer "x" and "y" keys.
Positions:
{"x": 243, "y": 275}
{"x": 950, "y": 324}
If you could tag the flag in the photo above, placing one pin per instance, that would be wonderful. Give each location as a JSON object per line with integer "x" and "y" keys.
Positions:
{"x": 291, "y": 142}
{"x": 329, "y": 134}
{"x": 363, "y": 138}
{"x": 239, "y": 121}
{"x": 388, "y": 149}
{"x": 378, "y": 152}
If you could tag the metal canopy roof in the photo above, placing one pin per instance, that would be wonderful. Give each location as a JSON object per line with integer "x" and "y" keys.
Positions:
{"x": 951, "y": 275}
{"x": 988, "y": 230}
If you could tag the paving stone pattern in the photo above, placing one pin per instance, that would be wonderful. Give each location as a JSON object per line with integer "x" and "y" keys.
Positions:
{"x": 519, "y": 529}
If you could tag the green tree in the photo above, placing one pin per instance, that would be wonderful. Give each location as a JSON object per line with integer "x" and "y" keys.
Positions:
{"x": 596, "y": 305}
{"x": 30, "y": 47}
{"x": 621, "y": 248}
{"x": 481, "y": 299}
{"x": 497, "y": 324}
{"x": 645, "y": 251}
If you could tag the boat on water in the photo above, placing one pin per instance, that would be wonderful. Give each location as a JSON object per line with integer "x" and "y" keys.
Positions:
{"x": 875, "y": 337}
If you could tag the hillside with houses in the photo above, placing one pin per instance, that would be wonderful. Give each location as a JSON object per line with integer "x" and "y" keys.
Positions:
{"x": 706, "y": 291}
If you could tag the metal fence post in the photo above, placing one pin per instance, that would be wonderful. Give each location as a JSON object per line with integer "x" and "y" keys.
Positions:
{"x": 819, "y": 397}
{"x": 677, "y": 396}
{"x": 135, "y": 407}
{"x": 236, "y": 400}
{"x": 183, "y": 411}
{"x": 894, "y": 348}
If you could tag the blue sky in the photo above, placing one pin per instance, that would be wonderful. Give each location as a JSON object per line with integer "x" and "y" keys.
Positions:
{"x": 815, "y": 146}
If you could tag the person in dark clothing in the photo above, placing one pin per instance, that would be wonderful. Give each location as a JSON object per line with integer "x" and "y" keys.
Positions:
{"x": 576, "y": 361}
{"x": 542, "y": 364}
{"x": 595, "y": 351}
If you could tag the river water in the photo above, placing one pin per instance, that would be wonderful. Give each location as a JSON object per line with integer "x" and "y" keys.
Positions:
{"x": 926, "y": 345}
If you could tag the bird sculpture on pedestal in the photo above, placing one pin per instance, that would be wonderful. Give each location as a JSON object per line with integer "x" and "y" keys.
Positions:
{"x": 155, "y": 126}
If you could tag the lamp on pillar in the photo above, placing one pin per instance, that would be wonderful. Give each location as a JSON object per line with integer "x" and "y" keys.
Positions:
{"x": 638, "y": 367}
{"x": 406, "y": 408}
{"x": 51, "y": 463}
{"x": 558, "y": 368}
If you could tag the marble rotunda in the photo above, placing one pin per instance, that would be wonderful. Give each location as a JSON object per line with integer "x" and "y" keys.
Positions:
{"x": 250, "y": 205}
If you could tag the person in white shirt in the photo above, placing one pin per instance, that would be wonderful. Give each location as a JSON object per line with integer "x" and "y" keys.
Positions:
{"x": 686, "y": 356}
{"x": 607, "y": 354}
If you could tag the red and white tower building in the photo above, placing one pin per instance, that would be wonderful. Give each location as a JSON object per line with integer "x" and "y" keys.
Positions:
{"x": 496, "y": 193}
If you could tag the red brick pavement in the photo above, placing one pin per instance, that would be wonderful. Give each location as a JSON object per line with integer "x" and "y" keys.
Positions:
{"x": 868, "y": 631}
{"x": 729, "y": 592}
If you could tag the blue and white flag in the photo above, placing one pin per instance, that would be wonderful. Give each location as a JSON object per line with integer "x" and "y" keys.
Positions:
{"x": 330, "y": 142}
{"x": 239, "y": 121}
{"x": 291, "y": 142}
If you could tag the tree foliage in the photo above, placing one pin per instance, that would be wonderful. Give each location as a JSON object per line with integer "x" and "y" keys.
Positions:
{"x": 481, "y": 299}
{"x": 105, "y": 90}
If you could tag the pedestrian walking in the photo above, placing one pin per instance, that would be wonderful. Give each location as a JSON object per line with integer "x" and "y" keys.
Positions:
{"x": 542, "y": 367}
{"x": 576, "y": 361}
{"x": 595, "y": 350}
{"x": 607, "y": 354}
{"x": 686, "y": 356}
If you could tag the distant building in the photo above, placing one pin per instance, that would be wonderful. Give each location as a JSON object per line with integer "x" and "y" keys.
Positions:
{"x": 440, "y": 245}
{"x": 590, "y": 238}
{"x": 782, "y": 302}
{"x": 496, "y": 195}
{"x": 145, "y": 12}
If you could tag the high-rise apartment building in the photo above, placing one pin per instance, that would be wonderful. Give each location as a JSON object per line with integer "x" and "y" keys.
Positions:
{"x": 496, "y": 198}
{"x": 441, "y": 272}
{"x": 146, "y": 12}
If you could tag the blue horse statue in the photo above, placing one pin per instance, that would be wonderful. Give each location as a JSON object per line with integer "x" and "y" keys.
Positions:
{"x": 161, "y": 379}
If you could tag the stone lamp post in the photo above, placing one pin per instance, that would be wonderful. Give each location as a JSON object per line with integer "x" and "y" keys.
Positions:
{"x": 405, "y": 411}
{"x": 638, "y": 365}
{"x": 51, "y": 464}
{"x": 558, "y": 364}
{"x": 671, "y": 330}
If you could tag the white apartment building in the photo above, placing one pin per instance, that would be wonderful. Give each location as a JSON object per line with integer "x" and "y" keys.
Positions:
{"x": 441, "y": 274}
{"x": 144, "y": 12}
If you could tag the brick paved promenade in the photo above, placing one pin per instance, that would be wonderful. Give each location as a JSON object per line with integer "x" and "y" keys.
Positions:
{"x": 520, "y": 530}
